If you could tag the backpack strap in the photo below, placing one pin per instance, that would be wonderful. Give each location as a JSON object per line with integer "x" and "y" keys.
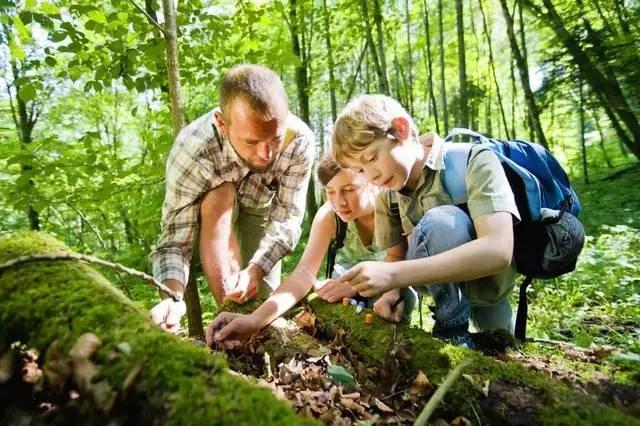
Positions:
{"x": 456, "y": 160}
{"x": 336, "y": 244}
{"x": 393, "y": 206}
{"x": 460, "y": 131}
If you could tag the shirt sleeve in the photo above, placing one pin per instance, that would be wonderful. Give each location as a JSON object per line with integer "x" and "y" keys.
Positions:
{"x": 189, "y": 175}
{"x": 287, "y": 211}
{"x": 388, "y": 227}
{"x": 487, "y": 185}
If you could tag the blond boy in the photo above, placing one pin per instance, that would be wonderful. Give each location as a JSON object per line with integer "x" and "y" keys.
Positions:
{"x": 462, "y": 259}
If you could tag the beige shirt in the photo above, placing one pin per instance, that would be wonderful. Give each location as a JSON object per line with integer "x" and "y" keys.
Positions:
{"x": 488, "y": 192}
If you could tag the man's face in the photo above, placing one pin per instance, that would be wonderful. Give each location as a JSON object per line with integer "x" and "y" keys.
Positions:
{"x": 255, "y": 139}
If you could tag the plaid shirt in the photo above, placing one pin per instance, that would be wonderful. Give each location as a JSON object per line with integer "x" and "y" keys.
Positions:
{"x": 199, "y": 161}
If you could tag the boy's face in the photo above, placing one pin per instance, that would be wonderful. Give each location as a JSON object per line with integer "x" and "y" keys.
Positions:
{"x": 387, "y": 161}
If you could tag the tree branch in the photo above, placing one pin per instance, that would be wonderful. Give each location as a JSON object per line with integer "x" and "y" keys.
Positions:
{"x": 77, "y": 256}
{"x": 149, "y": 17}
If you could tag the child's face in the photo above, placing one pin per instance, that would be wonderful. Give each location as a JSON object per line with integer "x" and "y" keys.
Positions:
{"x": 349, "y": 195}
{"x": 386, "y": 162}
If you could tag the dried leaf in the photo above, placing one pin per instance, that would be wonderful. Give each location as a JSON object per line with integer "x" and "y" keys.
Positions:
{"x": 460, "y": 421}
{"x": 383, "y": 407}
{"x": 306, "y": 320}
{"x": 421, "y": 385}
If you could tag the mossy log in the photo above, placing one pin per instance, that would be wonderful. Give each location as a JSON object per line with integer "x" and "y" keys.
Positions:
{"x": 515, "y": 395}
{"x": 156, "y": 378}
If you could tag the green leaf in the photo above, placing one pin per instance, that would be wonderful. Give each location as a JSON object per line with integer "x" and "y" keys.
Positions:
{"x": 16, "y": 50}
{"x": 58, "y": 36}
{"x": 23, "y": 32}
{"x": 27, "y": 92}
{"x": 50, "y": 8}
{"x": 51, "y": 61}
{"x": 97, "y": 16}
{"x": 340, "y": 375}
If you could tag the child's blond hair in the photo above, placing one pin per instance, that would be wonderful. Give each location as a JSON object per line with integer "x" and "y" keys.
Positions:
{"x": 365, "y": 119}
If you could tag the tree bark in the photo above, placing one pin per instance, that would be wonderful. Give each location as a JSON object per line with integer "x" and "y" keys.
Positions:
{"x": 523, "y": 70}
{"x": 583, "y": 145}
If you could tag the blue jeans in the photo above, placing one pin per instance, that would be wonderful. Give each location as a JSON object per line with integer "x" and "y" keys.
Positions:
{"x": 440, "y": 229}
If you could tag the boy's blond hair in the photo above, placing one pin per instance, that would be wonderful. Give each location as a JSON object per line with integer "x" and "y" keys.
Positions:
{"x": 365, "y": 119}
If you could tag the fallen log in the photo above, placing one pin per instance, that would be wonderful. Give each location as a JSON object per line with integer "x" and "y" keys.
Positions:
{"x": 494, "y": 392}
{"x": 95, "y": 357}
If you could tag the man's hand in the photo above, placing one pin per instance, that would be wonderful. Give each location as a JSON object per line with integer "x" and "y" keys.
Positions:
{"x": 231, "y": 330}
{"x": 383, "y": 306}
{"x": 333, "y": 291}
{"x": 371, "y": 278}
{"x": 167, "y": 314}
{"x": 244, "y": 285}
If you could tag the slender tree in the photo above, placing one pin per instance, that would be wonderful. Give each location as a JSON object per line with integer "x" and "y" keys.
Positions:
{"x": 377, "y": 18}
{"x": 330, "y": 63}
{"x": 443, "y": 86}
{"x": 410, "y": 57}
{"x": 492, "y": 68}
{"x": 383, "y": 84}
{"x": 523, "y": 70}
{"x": 429, "y": 60}
{"x": 463, "y": 108}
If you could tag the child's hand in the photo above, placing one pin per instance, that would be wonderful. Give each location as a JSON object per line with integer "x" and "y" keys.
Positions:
{"x": 370, "y": 278}
{"x": 333, "y": 291}
{"x": 384, "y": 306}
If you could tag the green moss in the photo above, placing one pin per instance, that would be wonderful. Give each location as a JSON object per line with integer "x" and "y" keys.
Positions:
{"x": 376, "y": 343}
{"x": 46, "y": 301}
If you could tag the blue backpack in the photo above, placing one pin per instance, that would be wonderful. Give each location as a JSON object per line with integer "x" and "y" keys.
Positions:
{"x": 547, "y": 204}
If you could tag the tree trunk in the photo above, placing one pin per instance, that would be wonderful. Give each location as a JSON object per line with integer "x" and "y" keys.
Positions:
{"x": 463, "y": 109}
{"x": 410, "y": 58}
{"x": 583, "y": 145}
{"x": 145, "y": 375}
{"x": 191, "y": 296}
{"x": 523, "y": 70}
{"x": 610, "y": 92}
{"x": 330, "y": 63}
{"x": 443, "y": 86}
{"x": 411, "y": 350}
{"x": 302, "y": 85}
{"x": 523, "y": 46}
{"x": 141, "y": 368}
{"x": 173, "y": 65}
{"x": 485, "y": 29}
{"x": 382, "y": 73}
{"x": 377, "y": 18}
{"x": 429, "y": 59}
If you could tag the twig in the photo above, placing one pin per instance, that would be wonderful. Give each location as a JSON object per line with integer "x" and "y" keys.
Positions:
{"x": 77, "y": 256}
{"x": 439, "y": 394}
{"x": 149, "y": 17}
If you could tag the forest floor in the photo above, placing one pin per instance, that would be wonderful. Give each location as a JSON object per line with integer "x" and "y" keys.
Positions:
{"x": 584, "y": 328}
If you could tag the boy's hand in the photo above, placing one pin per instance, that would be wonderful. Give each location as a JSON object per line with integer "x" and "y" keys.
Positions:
{"x": 370, "y": 278}
{"x": 333, "y": 291}
{"x": 231, "y": 330}
{"x": 383, "y": 306}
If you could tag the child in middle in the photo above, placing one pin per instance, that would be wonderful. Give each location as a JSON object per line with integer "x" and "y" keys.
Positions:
{"x": 352, "y": 199}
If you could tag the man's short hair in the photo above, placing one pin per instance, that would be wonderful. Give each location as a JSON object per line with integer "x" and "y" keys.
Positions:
{"x": 365, "y": 119}
{"x": 327, "y": 168}
{"x": 256, "y": 85}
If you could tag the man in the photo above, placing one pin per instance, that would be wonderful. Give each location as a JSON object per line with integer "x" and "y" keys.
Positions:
{"x": 238, "y": 175}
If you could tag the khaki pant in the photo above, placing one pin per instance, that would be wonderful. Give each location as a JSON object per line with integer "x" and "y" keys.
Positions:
{"x": 249, "y": 226}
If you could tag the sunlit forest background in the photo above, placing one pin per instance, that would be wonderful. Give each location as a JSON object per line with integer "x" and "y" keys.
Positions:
{"x": 86, "y": 117}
